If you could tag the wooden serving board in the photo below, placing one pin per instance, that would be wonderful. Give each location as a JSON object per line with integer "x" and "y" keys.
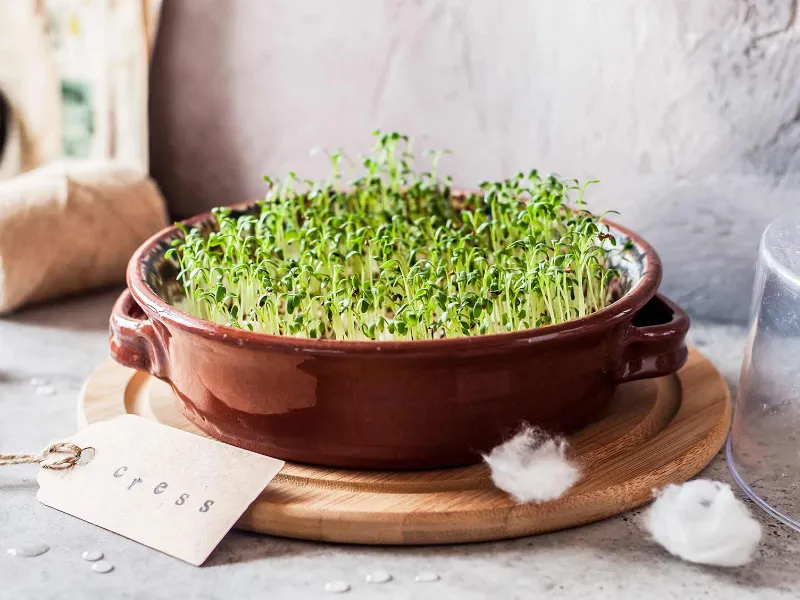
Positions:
{"x": 655, "y": 432}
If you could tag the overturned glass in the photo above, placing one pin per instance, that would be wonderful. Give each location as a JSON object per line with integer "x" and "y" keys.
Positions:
{"x": 763, "y": 450}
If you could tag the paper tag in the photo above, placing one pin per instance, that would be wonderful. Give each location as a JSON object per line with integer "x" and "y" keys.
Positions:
{"x": 165, "y": 488}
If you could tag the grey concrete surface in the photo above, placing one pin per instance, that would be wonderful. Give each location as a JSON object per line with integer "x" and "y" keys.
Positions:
{"x": 612, "y": 559}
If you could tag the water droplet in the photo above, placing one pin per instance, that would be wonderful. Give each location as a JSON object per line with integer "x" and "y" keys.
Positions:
{"x": 337, "y": 587}
{"x": 38, "y": 381}
{"x": 92, "y": 555}
{"x": 102, "y": 566}
{"x": 426, "y": 577}
{"x": 29, "y": 550}
{"x": 379, "y": 576}
{"x": 45, "y": 390}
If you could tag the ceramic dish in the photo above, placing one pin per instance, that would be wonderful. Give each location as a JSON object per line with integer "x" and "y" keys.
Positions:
{"x": 402, "y": 404}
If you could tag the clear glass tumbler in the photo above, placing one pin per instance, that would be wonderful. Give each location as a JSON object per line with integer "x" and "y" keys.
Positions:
{"x": 763, "y": 450}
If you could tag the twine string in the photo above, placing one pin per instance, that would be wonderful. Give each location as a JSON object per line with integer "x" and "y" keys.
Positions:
{"x": 58, "y": 456}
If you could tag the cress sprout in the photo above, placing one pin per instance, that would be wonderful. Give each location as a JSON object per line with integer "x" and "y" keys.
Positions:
{"x": 398, "y": 254}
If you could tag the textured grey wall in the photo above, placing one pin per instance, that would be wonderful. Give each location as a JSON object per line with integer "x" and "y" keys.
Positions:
{"x": 688, "y": 111}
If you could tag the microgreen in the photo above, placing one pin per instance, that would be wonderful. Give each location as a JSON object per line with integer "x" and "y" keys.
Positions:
{"x": 394, "y": 253}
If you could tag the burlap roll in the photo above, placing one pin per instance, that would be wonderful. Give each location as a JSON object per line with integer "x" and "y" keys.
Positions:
{"x": 69, "y": 227}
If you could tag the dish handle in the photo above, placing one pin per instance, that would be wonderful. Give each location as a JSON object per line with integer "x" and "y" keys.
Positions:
{"x": 134, "y": 341}
{"x": 655, "y": 343}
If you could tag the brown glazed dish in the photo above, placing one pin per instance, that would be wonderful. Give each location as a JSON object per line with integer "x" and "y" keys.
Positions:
{"x": 389, "y": 405}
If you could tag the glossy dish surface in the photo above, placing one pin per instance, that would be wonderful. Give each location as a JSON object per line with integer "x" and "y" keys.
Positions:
{"x": 397, "y": 404}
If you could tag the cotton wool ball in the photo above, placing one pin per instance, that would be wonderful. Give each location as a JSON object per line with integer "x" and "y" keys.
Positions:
{"x": 532, "y": 466}
{"x": 703, "y": 522}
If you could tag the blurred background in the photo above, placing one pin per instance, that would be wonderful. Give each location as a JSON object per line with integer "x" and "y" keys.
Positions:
{"x": 687, "y": 111}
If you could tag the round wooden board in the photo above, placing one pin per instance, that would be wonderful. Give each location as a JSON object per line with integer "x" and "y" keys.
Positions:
{"x": 655, "y": 432}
